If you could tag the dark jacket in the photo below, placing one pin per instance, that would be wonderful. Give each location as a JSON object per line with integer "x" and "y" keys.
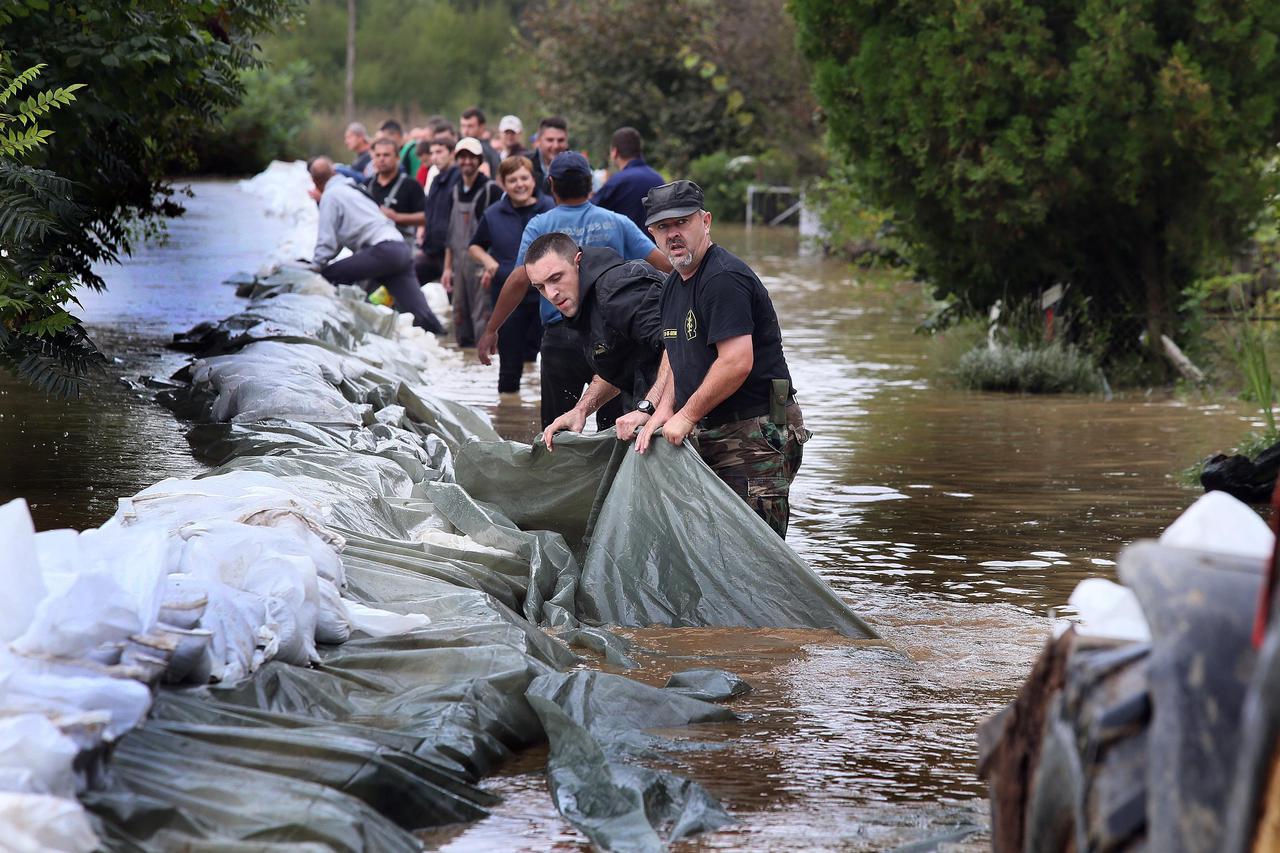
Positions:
{"x": 539, "y": 174}
{"x": 439, "y": 203}
{"x": 499, "y": 234}
{"x": 619, "y": 319}
{"x": 625, "y": 190}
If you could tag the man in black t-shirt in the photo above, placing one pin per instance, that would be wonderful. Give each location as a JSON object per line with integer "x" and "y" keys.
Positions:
{"x": 398, "y": 195}
{"x": 724, "y": 373}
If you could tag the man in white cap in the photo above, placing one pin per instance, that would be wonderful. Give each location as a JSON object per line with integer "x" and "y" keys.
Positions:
{"x": 470, "y": 196}
{"x": 511, "y": 136}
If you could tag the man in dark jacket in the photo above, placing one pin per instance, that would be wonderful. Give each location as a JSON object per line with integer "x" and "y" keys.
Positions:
{"x": 613, "y": 304}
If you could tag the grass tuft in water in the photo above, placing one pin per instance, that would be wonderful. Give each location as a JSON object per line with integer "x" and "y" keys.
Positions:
{"x": 1047, "y": 369}
{"x": 1251, "y": 446}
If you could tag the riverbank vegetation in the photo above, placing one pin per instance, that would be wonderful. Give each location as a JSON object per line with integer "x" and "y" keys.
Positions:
{"x": 155, "y": 76}
{"x": 1118, "y": 149}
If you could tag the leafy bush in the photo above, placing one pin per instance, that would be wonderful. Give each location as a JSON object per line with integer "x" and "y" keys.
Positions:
{"x": 693, "y": 77}
{"x": 266, "y": 124}
{"x": 1047, "y": 369}
{"x": 853, "y": 229}
{"x": 724, "y": 178}
{"x": 1119, "y": 146}
{"x": 159, "y": 73}
{"x": 39, "y": 340}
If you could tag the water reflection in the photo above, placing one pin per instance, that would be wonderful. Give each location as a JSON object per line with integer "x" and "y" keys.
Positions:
{"x": 951, "y": 521}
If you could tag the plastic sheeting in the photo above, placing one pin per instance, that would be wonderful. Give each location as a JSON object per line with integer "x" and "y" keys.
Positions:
{"x": 663, "y": 540}
{"x": 369, "y": 602}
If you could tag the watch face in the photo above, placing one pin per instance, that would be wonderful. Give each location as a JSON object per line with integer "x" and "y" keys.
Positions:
{"x": 644, "y": 407}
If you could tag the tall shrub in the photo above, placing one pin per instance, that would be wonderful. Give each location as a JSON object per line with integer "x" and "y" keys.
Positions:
{"x": 1114, "y": 144}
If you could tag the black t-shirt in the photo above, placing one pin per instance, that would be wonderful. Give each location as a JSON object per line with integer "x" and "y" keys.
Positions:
{"x": 724, "y": 299}
{"x": 408, "y": 196}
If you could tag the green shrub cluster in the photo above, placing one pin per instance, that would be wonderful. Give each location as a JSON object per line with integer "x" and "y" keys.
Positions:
{"x": 852, "y": 228}
{"x": 724, "y": 178}
{"x": 264, "y": 126}
{"x": 1046, "y": 369}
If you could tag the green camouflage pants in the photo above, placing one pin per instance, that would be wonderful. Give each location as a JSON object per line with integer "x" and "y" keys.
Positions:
{"x": 758, "y": 459}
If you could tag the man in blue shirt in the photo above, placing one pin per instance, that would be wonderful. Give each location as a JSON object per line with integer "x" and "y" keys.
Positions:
{"x": 565, "y": 371}
{"x": 626, "y": 188}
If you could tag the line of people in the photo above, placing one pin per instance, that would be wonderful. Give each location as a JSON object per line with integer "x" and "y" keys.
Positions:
{"x": 637, "y": 315}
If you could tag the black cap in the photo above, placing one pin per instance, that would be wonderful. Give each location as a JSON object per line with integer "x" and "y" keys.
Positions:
{"x": 678, "y": 198}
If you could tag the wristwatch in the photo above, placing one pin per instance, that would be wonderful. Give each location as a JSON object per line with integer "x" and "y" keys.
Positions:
{"x": 644, "y": 407}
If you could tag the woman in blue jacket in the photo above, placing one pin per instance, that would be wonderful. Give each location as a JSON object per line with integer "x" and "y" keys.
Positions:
{"x": 496, "y": 245}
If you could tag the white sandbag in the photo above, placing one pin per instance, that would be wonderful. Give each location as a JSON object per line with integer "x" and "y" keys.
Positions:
{"x": 250, "y": 497}
{"x": 102, "y": 588}
{"x": 20, "y": 576}
{"x": 373, "y": 622}
{"x": 1220, "y": 523}
{"x": 35, "y": 758}
{"x": 333, "y": 623}
{"x": 25, "y": 687}
{"x": 1107, "y": 609}
{"x": 234, "y": 621}
{"x": 268, "y": 562}
{"x": 93, "y": 610}
{"x": 39, "y": 823}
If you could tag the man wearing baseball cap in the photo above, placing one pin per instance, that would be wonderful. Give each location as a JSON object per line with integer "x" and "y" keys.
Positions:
{"x": 511, "y": 136}
{"x": 723, "y": 349}
{"x": 470, "y": 196}
{"x": 565, "y": 371}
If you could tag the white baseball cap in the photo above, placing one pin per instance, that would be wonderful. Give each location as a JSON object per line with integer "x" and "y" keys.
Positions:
{"x": 469, "y": 144}
{"x": 511, "y": 123}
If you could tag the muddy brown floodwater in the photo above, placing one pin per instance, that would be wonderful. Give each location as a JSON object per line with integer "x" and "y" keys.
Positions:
{"x": 954, "y": 522}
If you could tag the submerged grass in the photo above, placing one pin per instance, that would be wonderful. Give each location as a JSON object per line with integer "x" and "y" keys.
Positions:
{"x": 1047, "y": 369}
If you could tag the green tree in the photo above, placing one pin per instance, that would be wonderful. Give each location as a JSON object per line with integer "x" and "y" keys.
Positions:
{"x": 693, "y": 77}
{"x": 264, "y": 126}
{"x": 160, "y": 73}
{"x": 411, "y": 55}
{"x": 1114, "y": 144}
{"x": 39, "y": 339}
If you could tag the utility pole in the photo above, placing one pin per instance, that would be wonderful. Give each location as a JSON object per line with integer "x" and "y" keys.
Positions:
{"x": 351, "y": 61}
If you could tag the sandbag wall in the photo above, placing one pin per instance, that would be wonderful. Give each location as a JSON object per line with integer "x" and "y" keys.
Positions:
{"x": 333, "y": 634}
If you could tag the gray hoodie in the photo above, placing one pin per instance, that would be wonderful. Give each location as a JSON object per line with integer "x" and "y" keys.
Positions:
{"x": 349, "y": 219}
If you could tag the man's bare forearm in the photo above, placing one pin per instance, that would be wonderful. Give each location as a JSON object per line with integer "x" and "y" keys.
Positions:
{"x": 660, "y": 383}
{"x": 597, "y": 394}
{"x": 513, "y": 290}
{"x": 726, "y": 375}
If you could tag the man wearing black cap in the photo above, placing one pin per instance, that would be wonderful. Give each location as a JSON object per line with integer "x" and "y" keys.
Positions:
{"x": 723, "y": 346}
{"x": 565, "y": 370}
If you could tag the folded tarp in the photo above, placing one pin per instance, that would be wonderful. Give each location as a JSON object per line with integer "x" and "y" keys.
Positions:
{"x": 663, "y": 540}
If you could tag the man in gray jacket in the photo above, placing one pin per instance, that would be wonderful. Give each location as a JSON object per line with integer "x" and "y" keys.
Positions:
{"x": 351, "y": 219}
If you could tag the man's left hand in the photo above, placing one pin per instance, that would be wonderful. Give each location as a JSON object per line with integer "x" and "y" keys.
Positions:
{"x": 677, "y": 429}
{"x": 629, "y": 424}
{"x": 572, "y": 420}
{"x": 388, "y": 212}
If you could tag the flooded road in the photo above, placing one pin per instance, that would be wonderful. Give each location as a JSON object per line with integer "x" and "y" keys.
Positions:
{"x": 952, "y": 521}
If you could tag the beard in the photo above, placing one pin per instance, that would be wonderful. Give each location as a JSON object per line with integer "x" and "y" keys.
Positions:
{"x": 684, "y": 260}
